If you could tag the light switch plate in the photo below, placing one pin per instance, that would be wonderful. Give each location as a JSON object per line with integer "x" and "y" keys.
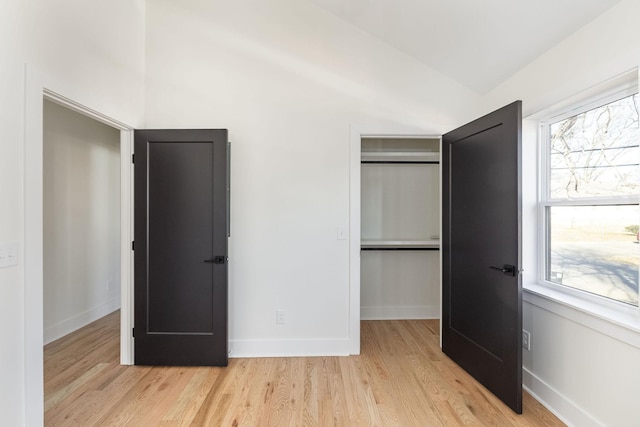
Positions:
{"x": 281, "y": 317}
{"x": 8, "y": 254}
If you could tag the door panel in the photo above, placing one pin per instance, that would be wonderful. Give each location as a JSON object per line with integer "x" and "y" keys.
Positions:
{"x": 482, "y": 305}
{"x": 180, "y": 237}
{"x": 180, "y": 228}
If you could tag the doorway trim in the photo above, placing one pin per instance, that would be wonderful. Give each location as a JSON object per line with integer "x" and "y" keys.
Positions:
{"x": 355, "y": 148}
{"x": 35, "y": 93}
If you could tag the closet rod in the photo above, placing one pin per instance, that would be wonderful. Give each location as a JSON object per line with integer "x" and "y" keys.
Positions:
{"x": 399, "y": 162}
{"x": 383, "y": 248}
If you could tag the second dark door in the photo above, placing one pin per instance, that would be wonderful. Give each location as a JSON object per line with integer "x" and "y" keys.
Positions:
{"x": 481, "y": 289}
{"x": 181, "y": 247}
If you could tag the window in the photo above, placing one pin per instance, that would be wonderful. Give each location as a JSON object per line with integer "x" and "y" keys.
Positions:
{"x": 589, "y": 199}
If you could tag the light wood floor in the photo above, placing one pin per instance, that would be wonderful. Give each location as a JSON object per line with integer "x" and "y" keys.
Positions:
{"x": 400, "y": 379}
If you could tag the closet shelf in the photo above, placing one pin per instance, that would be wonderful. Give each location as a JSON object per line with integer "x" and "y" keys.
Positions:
{"x": 387, "y": 245}
{"x": 400, "y": 156}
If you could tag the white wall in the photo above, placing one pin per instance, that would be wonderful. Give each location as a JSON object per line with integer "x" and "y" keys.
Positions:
{"x": 400, "y": 201}
{"x": 585, "y": 375}
{"x": 81, "y": 220}
{"x": 289, "y": 80}
{"x": 89, "y": 51}
{"x": 400, "y": 285}
{"x": 12, "y": 365}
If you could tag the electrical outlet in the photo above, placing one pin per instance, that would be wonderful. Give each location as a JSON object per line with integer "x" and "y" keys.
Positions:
{"x": 281, "y": 317}
{"x": 526, "y": 340}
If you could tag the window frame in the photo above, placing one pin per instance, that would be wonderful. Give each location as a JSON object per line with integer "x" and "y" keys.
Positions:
{"x": 613, "y": 307}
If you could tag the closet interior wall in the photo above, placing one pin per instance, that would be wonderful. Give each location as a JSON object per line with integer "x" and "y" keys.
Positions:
{"x": 400, "y": 228}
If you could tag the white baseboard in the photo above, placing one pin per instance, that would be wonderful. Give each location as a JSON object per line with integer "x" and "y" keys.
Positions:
{"x": 289, "y": 348}
{"x": 562, "y": 407}
{"x": 400, "y": 312}
{"x": 60, "y": 329}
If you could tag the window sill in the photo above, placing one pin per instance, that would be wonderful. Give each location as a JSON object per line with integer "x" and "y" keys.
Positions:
{"x": 622, "y": 326}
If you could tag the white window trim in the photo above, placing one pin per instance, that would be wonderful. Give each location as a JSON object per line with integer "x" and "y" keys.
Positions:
{"x": 610, "y": 317}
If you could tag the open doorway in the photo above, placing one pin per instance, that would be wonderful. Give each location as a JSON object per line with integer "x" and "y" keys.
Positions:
{"x": 81, "y": 240}
{"x": 81, "y": 220}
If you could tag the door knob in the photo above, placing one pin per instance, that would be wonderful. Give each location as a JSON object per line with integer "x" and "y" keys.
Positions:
{"x": 216, "y": 260}
{"x": 509, "y": 270}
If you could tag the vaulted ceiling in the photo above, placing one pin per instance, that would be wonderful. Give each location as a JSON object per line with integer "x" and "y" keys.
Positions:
{"x": 479, "y": 43}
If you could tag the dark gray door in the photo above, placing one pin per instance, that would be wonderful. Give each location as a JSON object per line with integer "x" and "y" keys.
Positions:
{"x": 482, "y": 291}
{"x": 180, "y": 248}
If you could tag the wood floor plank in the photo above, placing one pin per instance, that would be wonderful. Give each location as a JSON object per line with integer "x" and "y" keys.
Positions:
{"x": 401, "y": 378}
{"x": 53, "y": 399}
{"x": 190, "y": 400}
{"x": 97, "y": 399}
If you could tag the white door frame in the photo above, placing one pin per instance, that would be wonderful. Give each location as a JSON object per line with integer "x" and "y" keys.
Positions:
{"x": 355, "y": 147}
{"x": 35, "y": 94}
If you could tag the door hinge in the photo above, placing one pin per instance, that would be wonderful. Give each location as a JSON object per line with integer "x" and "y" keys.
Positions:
{"x": 133, "y": 332}
{"x": 133, "y": 245}
{"x": 133, "y": 158}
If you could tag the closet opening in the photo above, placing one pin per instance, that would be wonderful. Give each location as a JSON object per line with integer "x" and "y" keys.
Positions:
{"x": 400, "y": 225}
